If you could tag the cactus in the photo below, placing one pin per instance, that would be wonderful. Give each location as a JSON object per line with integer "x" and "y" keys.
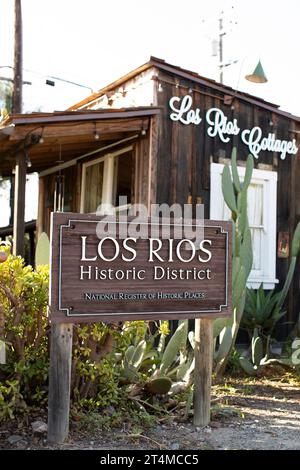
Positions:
{"x": 177, "y": 341}
{"x": 42, "y": 251}
{"x": 247, "y": 366}
{"x": 159, "y": 386}
{"x": 138, "y": 354}
{"x": 235, "y": 196}
{"x": 257, "y": 349}
{"x": 163, "y": 364}
{"x": 132, "y": 360}
{"x": 257, "y": 356}
{"x": 294, "y": 251}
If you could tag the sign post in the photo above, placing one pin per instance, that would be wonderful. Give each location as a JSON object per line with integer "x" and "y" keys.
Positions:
{"x": 59, "y": 382}
{"x": 203, "y": 371}
{"x": 104, "y": 269}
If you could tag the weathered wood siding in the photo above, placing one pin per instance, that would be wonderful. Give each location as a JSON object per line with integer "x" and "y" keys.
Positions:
{"x": 186, "y": 151}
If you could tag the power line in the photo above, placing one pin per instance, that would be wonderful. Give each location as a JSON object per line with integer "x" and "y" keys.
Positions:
{"x": 48, "y": 82}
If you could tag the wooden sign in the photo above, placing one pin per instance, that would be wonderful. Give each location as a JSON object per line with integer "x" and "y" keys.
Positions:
{"x": 122, "y": 277}
{"x": 283, "y": 250}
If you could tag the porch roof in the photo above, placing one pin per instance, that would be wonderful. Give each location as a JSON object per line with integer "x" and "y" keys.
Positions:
{"x": 45, "y": 138}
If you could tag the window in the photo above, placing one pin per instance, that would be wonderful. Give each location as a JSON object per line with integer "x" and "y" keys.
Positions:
{"x": 105, "y": 179}
{"x": 262, "y": 195}
{"x": 59, "y": 193}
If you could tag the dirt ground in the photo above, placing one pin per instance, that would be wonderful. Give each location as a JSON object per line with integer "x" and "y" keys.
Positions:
{"x": 246, "y": 414}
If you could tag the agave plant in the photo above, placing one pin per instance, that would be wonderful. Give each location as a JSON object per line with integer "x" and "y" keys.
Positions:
{"x": 262, "y": 311}
{"x": 254, "y": 364}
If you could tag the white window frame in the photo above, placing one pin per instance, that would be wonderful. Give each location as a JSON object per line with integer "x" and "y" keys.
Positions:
{"x": 109, "y": 175}
{"x": 268, "y": 180}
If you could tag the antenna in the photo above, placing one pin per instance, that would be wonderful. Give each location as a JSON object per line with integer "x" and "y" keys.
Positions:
{"x": 223, "y": 32}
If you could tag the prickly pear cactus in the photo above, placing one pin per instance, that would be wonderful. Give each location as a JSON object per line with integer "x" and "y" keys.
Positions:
{"x": 159, "y": 386}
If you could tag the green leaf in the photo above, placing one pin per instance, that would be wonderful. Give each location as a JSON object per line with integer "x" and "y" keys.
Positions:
{"x": 42, "y": 252}
{"x": 246, "y": 253}
{"x": 184, "y": 370}
{"x": 242, "y": 208}
{"x": 138, "y": 354}
{"x": 239, "y": 286}
{"x": 249, "y": 172}
{"x": 296, "y": 241}
{"x": 191, "y": 337}
{"x": 227, "y": 189}
{"x": 129, "y": 353}
{"x": 173, "y": 347}
{"x": 247, "y": 366}
{"x": 185, "y": 332}
{"x": 218, "y": 326}
{"x": 240, "y": 309}
{"x": 225, "y": 343}
{"x": 285, "y": 289}
{"x": 257, "y": 350}
{"x": 235, "y": 175}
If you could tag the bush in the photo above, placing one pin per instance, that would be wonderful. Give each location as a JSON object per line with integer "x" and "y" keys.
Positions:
{"x": 24, "y": 329}
{"x": 98, "y": 348}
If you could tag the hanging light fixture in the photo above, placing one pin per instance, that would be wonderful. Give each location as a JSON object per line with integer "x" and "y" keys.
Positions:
{"x": 96, "y": 133}
{"x": 258, "y": 76}
{"x": 27, "y": 158}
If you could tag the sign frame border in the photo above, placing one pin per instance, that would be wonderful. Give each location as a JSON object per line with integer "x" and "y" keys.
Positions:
{"x": 224, "y": 310}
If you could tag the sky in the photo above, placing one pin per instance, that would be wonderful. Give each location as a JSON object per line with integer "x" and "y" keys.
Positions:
{"x": 94, "y": 42}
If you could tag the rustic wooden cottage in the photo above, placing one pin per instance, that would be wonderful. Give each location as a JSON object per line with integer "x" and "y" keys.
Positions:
{"x": 162, "y": 134}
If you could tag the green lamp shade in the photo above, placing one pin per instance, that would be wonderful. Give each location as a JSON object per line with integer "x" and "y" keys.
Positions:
{"x": 258, "y": 76}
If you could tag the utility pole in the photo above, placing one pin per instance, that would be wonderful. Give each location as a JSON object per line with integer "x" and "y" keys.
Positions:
{"x": 19, "y": 183}
{"x": 221, "y": 34}
{"x": 18, "y": 60}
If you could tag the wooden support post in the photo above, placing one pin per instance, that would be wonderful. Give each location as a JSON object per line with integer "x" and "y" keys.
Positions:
{"x": 41, "y": 209}
{"x": 59, "y": 382}
{"x": 19, "y": 205}
{"x": 32, "y": 237}
{"x": 203, "y": 371}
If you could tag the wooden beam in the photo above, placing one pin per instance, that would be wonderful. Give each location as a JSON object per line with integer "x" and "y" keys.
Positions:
{"x": 32, "y": 245}
{"x": 82, "y": 128}
{"x": 203, "y": 371}
{"x": 19, "y": 204}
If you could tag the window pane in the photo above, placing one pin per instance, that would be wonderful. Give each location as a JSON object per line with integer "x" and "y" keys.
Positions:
{"x": 5, "y": 186}
{"x": 93, "y": 187}
{"x": 255, "y": 204}
{"x": 256, "y": 235}
{"x": 123, "y": 177}
{"x": 262, "y": 219}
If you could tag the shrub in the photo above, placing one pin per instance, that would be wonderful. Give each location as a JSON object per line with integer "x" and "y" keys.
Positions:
{"x": 98, "y": 348}
{"x": 24, "y": 329}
